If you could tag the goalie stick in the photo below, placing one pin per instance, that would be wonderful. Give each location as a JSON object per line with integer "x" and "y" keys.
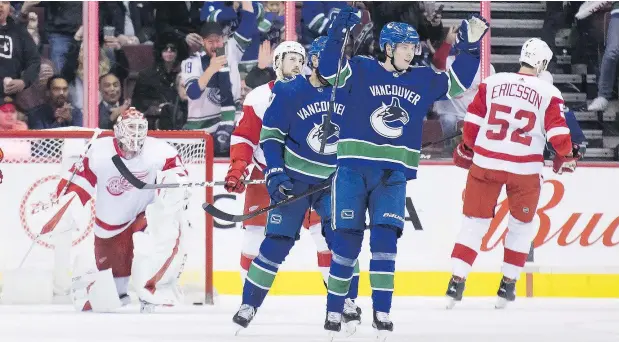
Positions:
{"x": 133, "y": 180}
{"x": 213, "y": 211}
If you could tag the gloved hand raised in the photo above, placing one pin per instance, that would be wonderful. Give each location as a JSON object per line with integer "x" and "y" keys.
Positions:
{"x": 347, "y": 18}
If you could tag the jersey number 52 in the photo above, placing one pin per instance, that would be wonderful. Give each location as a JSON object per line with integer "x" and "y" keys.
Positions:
{"x": 518, "y": 135}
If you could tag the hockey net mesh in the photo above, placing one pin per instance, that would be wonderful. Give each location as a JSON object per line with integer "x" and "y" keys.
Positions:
{"x": 31, "y": 164}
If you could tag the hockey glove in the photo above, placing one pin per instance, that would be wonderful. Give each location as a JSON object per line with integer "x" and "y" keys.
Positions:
{"x": 348, "y": 17}
{"x": 566, "y": 164}
{"x": 279, "y": 184}
{"x": 463, "y": 156}
{"x": 236, "y": 173}
{"x": 470, "y": 33}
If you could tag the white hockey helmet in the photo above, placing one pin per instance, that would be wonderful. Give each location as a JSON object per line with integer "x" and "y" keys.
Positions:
{"x": 536, "y": 53}
{"x": 281, "y": 50}
{"x": 131, "y": 129}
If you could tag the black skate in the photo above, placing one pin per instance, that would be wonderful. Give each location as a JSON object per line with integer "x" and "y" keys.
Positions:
{"x": 351, "y": 316}
{"x": 455, "y": 289}
{"x": 244, "y": 316}
{"x": 506, "y": 293}
{"x": 333, "y": 324}
{"x": 382, "y": 324}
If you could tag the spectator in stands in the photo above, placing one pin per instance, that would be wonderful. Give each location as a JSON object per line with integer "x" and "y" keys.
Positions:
{"x": 134, "y": 21}
{"x": 155, "y": 87}
{"x": 175, "y": 116}
{"x": 110, "y": 106}
{"x": 316, "y": 16}
{"x": 19, "y": 59}
{"x": 182, "y": 19}
{"x": 608, "y": 69}
{"x": 57, "y": 112}
{"x": 62, "y": 20}
{"x": 423, "y": 16}
{"x": 8, "y": 118}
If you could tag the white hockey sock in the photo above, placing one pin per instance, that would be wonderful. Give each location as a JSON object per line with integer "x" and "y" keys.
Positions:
{"x": 122, "y": 285}
{"x": 517, "y": 246}
{"x": 468, "y": 244}
{"x": 252, "y": 239}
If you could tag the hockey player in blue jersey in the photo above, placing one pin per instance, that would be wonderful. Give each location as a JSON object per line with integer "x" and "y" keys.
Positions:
{"x": 378, "y": 151}
{"x": 292, "y": 131}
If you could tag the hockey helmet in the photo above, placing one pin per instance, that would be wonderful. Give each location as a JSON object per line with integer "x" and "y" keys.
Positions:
{"x": 536, "y": 53}
{"x": 131, "y": 129}
{"x": 281, "y": 50}
{"x": 316, "y": 48}
{"x": 395, "y": 33}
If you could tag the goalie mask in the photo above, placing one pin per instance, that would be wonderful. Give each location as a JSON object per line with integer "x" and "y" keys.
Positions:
{"x": 536, "y": 53}
{"x": 286, "y": 65}
{"x": 131, "y": 129}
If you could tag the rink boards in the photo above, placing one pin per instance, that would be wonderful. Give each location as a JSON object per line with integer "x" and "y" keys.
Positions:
{"x": 576, "y": 254}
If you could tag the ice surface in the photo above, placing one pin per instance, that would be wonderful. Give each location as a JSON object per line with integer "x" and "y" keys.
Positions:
{"x": 300, "y": 319}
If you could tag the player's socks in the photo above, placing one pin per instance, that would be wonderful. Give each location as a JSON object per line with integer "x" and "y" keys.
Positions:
{"x": 346, "y": 248}
{"x": 263, "y": 269}
{"x": 383, "y": 246}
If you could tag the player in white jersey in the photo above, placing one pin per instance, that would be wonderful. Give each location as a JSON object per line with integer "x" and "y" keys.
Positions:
{"x": 245, "y": 152}
{"x": 137, "y": 232}
{"x": 504, "y": 135}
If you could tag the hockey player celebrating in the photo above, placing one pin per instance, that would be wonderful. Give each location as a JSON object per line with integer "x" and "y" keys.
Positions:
{"x": 148, "y": 223}
{"x": 245, "y": 152}
{"x": 292, "y": 130}
{"x": 504, "y": 134}
{"x": 378, "y": 151}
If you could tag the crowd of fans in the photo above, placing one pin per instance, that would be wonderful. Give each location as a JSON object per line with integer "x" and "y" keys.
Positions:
{"x": 143, "y": 46}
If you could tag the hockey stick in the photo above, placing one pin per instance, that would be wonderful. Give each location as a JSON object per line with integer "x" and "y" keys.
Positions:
{"x": 49, "y": 226}
{"x": 211, "y": 209}
{"x": 327, "y": 126}
{"x": 133, "y": 180}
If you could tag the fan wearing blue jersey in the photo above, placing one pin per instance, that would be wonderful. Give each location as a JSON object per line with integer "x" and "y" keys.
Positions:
{"x": 292, "y": 130}
{"x": 378, "y": 151}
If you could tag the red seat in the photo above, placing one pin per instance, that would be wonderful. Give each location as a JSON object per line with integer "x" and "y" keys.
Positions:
{"x": 139, "y": 57}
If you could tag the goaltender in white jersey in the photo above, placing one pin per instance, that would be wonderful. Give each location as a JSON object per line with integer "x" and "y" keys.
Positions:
{"x": 148, "y": 223}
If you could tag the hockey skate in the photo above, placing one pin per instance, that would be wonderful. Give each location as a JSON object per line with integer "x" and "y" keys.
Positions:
{"x": 455, "y": 289}
{"x": 506, "y": 293}
{"x": 333, "y": 324}
{"x": 383, "y": 325}
{"x": 244, "y": 316}
{"x": 351, "y": 316}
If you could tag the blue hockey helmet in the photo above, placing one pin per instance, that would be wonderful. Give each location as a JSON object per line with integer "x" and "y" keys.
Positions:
{"x": 316, "y": 48}
{"x": 394, "y": 33}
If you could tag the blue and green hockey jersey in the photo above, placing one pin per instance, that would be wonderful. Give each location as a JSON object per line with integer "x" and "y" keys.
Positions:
{"x": 293, "y": 128}
{"x": 382, "y": 123}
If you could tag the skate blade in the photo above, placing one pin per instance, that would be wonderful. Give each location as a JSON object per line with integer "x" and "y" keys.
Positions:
{"x": 381, "y": 335}
{"x": 450, "y": 303}
{"x": 238, "y": 329}
{"x": 351, "y": 327}
{"x": 331, "y": 335}
{"x": 501, "y": 303}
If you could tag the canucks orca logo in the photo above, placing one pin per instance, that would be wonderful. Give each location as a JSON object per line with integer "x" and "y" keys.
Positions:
{"x": 389, "y": 120}
{"x": 315, "y": 136}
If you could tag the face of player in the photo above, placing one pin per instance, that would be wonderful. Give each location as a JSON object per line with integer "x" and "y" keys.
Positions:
{"x": 212, "y": 43}
{"x": 403, "y": 55}
{"x": 110, "y": 89}
{"x": 292, "y": 64}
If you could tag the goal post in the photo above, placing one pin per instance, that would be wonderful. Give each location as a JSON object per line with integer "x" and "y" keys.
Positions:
{"x": 32, "y": 162}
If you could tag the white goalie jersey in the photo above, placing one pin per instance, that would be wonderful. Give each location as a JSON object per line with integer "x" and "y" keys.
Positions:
{"x": 118, "y": 202}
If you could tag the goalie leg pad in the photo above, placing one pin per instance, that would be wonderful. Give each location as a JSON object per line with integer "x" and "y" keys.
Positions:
{"x": 95, "y": 291}
{"x": 263, "y": 269}
{"x": 383, "y": 246}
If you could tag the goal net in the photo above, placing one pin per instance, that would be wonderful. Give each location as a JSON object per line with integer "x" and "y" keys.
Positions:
{"x": 31, "y": 162}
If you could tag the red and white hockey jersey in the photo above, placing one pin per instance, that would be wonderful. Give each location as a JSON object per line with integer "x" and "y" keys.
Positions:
{"x": 509, "y": 121}
{"x": 244, "y": 143}
{"x": 118, "y": 203}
